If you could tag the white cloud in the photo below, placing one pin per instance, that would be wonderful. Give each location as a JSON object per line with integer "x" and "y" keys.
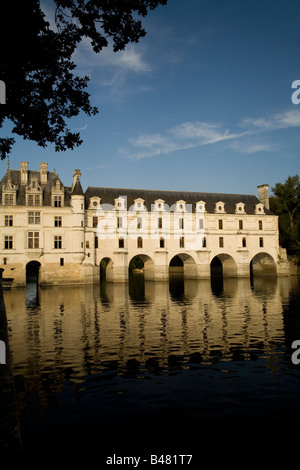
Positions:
{"x": 196, "y": 134}
{"x": 274, "y": 122}
{"x": 252, "y": 147}
{"x": 129, "y": 59}
{"x": 184, "y": 136}
{"x": 83, "y": 128}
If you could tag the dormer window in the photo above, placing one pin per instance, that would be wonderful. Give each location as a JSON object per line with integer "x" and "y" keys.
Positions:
{"x": 120, "y": 203}
{"x": 9, "y": 197}
{"x": 240, "y": 208}
{"x": 200, "y": 206}
{"x": 180, "y": 206}
{"x": 34, "y": 200}
{"x": 139, "y": 204}
{"x": 34, "y": 184}
{"x": 9, "y": 193}
{"x": 57, "y": 196}
{"x": 159, "y": 205}
{"x": 220, "y": 207}
{"x": 95, "y": 202}
{"x": 259, "y": 209}
{"x": 57, "y": 201}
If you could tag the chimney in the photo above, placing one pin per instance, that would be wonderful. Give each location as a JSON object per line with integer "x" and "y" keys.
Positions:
{"x": 263, "y": 195}
{"x": 43, "y": 172}
{"x": 24, "y": 172}
{"x": 76, "y": 176}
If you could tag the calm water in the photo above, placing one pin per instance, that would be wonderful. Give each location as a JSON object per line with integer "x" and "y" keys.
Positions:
{"x": 156, "y": 366}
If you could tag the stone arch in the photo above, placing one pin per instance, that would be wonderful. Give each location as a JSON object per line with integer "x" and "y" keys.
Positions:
{"x": 263, "y": 264}
{"x": 106, "y": 267}
{"x": 32, "y": 272}
{"x": 223, "y": 265}
{"x": 185, "y": 263}
{"x": 32, "y": 282}
{"x": 144, "y": 263}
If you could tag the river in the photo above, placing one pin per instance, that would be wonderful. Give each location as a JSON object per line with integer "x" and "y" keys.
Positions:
{"x": 156, "y": 367}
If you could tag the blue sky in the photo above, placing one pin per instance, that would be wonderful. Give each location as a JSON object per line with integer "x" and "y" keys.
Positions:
{"x": 202, "y": 103}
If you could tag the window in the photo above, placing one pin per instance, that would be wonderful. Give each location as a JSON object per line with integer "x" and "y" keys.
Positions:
{"x": 62, "y": 262}
{"x": 4, "y": 261}
{"x": 8, "y": 242}
{"x": 162, "y": 243}
{"x": 159, "y": 222}
{"x": 57, "y": 221}
{"x": 9, "y": 199}
{"x": 119, "y": 222}
{"x": 181, "y": 242}
{"x": 34, "y": 217}
{"x": 181, "y": 224}
{"x": 221, "y": 242}
{"x": 139, "y": 222}
{"x": 95, "y": 221}
{"x": 34, "y": 200}
{"x": 241, "y": 224}
{"x": 96, "y": 242}
{"x": 140, "y": 242}
{"x": 203, "y": 242}
{"x": 260, "y": 225}
{"x": 33, "y": 240}
{"x": 57, "y": 242}
{"x": 87, "y": 244}
{"x": 200, "y": 224}
{"x": 261, "y": 242}
{"x": 8, "y": 221}
{"x": 57, "y": 201}
{"x": 244, "y": 244}
{"x": 121, "y": 242}
{"x": 220, "y": 224}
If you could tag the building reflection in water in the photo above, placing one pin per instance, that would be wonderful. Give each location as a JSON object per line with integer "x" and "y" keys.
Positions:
{"x": 62, "y": 338}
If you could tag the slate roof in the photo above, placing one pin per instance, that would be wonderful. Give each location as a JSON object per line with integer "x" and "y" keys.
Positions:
{"x": 108, "y": 196}
{"x": 77, "y": 191}
{"x": 52, "y": 177}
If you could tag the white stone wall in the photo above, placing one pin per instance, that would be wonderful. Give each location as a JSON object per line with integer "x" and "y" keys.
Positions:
{"x": 77, "y": 254}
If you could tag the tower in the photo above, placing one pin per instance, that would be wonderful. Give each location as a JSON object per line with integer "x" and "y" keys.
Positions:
{"x": 77, "y": 203}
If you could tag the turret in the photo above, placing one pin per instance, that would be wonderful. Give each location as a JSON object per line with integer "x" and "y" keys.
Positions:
{"x": 77, "y": 202}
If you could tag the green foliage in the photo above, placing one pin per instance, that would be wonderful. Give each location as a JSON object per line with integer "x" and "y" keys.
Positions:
{"x": 36, "y": 64}
{"x": 286, "y": 204}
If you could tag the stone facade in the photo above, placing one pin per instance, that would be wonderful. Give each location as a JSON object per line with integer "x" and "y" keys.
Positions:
{"x": 65, "y": 234}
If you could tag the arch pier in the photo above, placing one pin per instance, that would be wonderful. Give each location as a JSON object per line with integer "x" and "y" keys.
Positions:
{"x": 263, "y": 264}
{"x": 33, "y": 272}
{"x": 159, "y": 266}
